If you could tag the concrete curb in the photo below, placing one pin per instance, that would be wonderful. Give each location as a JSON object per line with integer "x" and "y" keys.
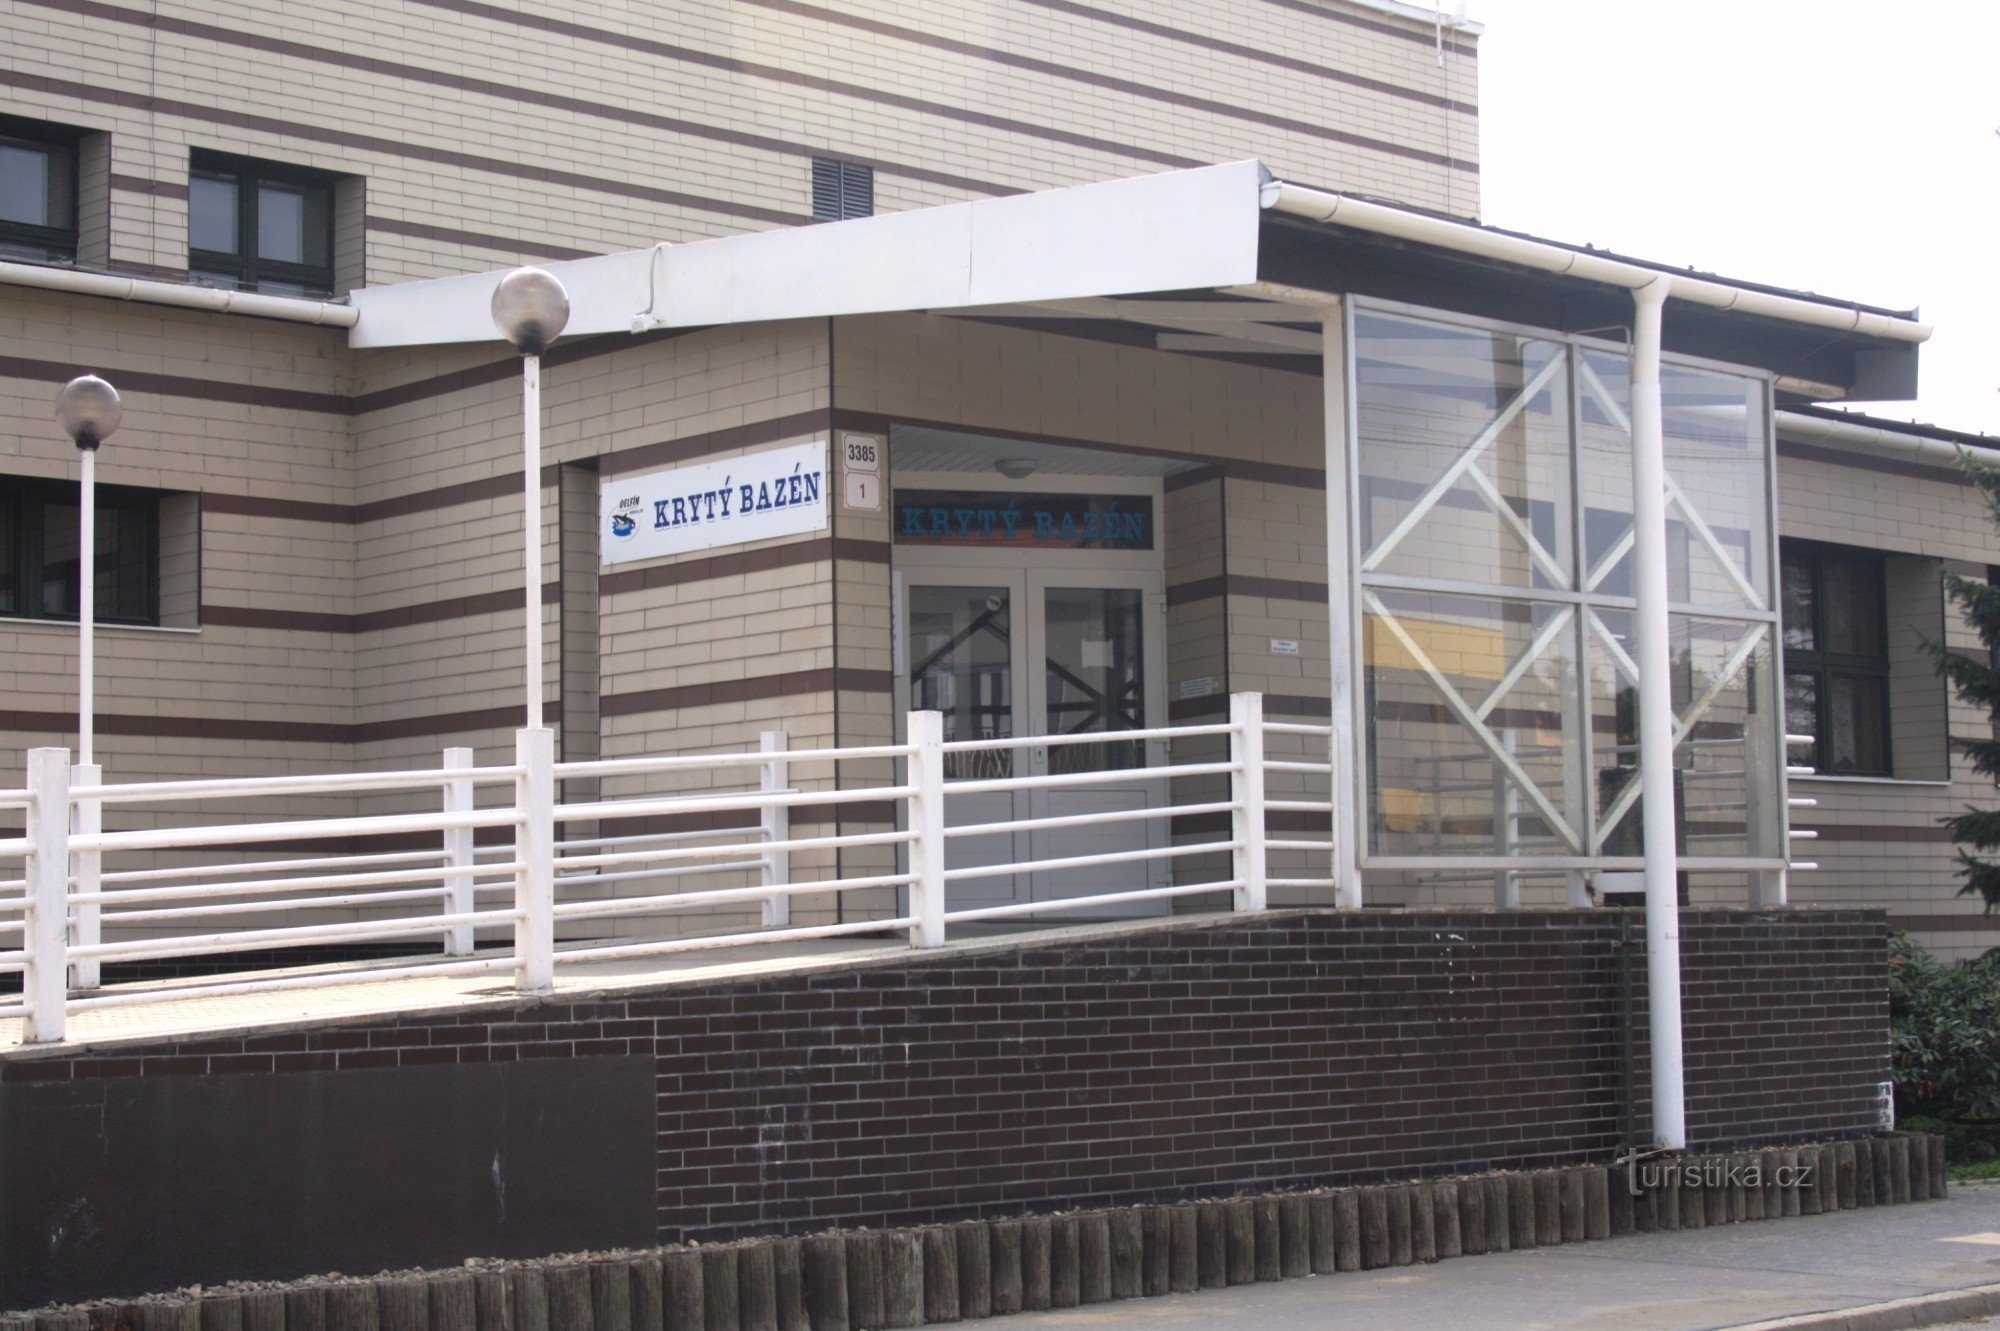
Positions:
{"x": 1924, "y": 1310}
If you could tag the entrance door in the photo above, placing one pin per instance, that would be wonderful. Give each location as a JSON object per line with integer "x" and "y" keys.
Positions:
{"x": 1042, "y": 652}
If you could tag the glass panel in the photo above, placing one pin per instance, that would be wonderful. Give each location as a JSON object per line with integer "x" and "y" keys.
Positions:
{"x": 1465, "y": 454}
{"x": 961, "y": 664}
{"x": 24, "y": 185}
{"x": 10, "y": 558}
{"x": 212, "y": 215}
{"x": 60, "y": 573}
{"x": 1802, "y": 714}
{"x": 1614, "y": 726}
{"x": 1441, "y": 770}
{"x": 1852, "y": 586}
{"x": 1094, "y": 642}
{"x": 281, "y": 223}
{"x": 1800, "y": 635}
{"x": 1726, "y": 767}
{"x": 124, "y": 563}
{"x": 1604, "y": 443}
{"x": 1718, "y": 490}
{"x": 1857, "y": 725}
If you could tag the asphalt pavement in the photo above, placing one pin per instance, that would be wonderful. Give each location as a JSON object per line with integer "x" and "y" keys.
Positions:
{"x": 1728, "y": 1276}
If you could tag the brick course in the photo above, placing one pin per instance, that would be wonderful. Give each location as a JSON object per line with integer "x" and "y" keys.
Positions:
{"x": 1166, "y": 1062}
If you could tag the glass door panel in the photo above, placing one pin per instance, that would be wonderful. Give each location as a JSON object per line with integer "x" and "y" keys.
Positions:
{"x": 962, "y": 664}
{"x": 962, "y": 645}
{"x": 1093, "y": 645}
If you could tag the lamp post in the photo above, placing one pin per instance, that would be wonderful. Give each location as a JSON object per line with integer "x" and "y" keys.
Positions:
{"x": 88, "y": 410}
{"x": 530, "y": 309}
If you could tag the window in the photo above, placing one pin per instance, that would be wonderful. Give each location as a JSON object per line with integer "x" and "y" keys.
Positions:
{"x": 842, "y": 190}
{"x": 1837, "y": 656}
{"x": 37, "y": 191}
{"x": 259, "y": 226}
{"x": 39, "y": 571}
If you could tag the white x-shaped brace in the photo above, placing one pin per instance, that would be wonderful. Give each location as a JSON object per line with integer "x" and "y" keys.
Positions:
{"x": 1465, "y": 466}
{"x": 1675, "y": 495}
{"x": 1684, "y": 724}
{"x": 1473, "y": 718}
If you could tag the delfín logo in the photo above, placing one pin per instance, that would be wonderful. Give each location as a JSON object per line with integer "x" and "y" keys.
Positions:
{"x": 625, "y": 518}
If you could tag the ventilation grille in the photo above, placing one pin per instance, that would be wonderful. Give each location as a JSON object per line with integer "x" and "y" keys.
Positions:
{"x": 842, "y": 190}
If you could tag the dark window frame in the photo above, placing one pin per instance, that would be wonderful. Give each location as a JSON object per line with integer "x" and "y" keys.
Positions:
{"x": 842, "y": 190}
{"x": 243, "y": 266}
{"x": 57, "y": 243}
{"x": 23, "y": 510}
{"x": 1823, "y": 665}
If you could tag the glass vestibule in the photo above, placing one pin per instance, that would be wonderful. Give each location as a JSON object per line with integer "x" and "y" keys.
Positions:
{"x": 1492, "y": 559}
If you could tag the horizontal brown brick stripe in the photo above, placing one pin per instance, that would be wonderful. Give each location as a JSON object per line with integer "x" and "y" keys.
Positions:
{"x": 175, "y": 385}
{"x": 1129, "y": 87}
{"x": 374, "y": 621}
{"x": 1839, "y": 457}
{"x": 1251, "y": 53}
{"x": 498, "y": 166}
{"x": 1928, "y": 832}
{"x": 1425, "y": 37}
{"x": 1275, "y": 705}
{"x": 272, "y": 730}
{"x": 1240, "y": 584}
{"x": 396, "y": 226}
{"x": 158, "y": 189}
{"x": 740, "y": 562}
{"x": 1946, "y": 924}
{"x": 792, "y": 78}
{"x": 825, "y": 680}
{"x": 510, "y": 93}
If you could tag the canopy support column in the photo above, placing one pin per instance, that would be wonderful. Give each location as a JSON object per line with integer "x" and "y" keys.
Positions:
{"x": 1345, "y": 647}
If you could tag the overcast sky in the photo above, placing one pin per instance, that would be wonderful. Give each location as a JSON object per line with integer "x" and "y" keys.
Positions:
{"x": 1842, "y": 147}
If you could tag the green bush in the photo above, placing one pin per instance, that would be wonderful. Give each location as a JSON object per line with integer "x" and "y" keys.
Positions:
{"x": 1944, "y": 1022}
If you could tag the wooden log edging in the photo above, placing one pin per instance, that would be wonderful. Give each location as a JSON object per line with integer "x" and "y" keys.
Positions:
{"x": 861, "y": 1280}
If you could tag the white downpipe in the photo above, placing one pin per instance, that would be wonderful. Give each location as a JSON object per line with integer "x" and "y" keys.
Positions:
{"x": 1342, "y": 210}
{"x": 1875, "y": 440}
{"x": 1656, "y": 717}
{"x": 531, "y": 526}
{"x": 187, "y": 297}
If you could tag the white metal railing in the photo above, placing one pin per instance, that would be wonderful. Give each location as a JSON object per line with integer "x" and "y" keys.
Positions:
{"x": 197, "y": 871}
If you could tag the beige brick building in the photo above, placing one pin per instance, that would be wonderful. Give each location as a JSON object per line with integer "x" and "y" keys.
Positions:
{"x": 324, "y": 567}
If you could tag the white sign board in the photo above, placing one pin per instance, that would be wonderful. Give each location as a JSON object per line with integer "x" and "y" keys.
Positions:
{"x": 777, "y": 493}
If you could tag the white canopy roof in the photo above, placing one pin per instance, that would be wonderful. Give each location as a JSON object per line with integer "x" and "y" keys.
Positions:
{"x": 1182, "y": 230}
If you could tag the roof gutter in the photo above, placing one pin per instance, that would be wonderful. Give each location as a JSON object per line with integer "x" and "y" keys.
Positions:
{"x": 1852, "y": 436}
{"x": 186, "y": 297}
{"x": 1362, "y": 215}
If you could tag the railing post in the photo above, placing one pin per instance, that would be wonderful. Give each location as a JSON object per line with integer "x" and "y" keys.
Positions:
{"x": 1246, "y": 750}
{"x": 926, "y": 732}
{"x": 458, "y": 894}
{"x": 86, "y": 869}
{"x": 776, "y": 823}
{"x": 535, "y": 849}
{"x": 47, "y": 935}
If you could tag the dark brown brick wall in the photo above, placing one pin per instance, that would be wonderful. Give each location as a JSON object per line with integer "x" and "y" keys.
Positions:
{"x": 1191, "y": 1059}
